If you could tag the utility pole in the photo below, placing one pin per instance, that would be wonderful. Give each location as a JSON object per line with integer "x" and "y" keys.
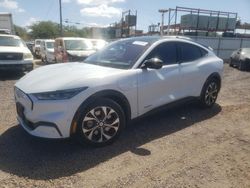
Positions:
{"x": 162, "y": 11}
{"x": 60, "y": 7}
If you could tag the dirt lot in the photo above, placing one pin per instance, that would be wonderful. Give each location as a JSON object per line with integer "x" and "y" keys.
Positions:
{"x": 181, "y": 147}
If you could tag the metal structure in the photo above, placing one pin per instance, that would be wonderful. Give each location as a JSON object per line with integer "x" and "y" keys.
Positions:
{"x": 60, "y": 10}
{"x": 162, "y": 11}
{"x": 128, "y": 20}
{"x": 153, "y": 28}
{"x": 222, "y": 21}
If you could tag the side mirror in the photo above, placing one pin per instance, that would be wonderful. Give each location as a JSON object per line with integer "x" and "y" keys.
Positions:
{"x": 153, "y": 63}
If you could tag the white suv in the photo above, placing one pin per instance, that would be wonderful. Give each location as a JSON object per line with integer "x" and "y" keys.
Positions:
{"x": 14, "y": 54}
{"x": 94, "y": 100}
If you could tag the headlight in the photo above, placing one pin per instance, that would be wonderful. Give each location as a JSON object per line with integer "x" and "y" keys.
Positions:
{"x": 59, "y": 94}
{"x": 27, "y": 56}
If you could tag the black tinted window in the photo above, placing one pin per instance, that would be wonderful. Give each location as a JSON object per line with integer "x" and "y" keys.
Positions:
{"x": 166, "y": 52}
{"x": 203, "y": 52}
{"x": 190, "y": 52}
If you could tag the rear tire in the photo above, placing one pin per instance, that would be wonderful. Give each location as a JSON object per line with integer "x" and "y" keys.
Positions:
{"x": 100, "y": 123}
{"x": 209, "y": 93}
{"x": 46, "y": 60}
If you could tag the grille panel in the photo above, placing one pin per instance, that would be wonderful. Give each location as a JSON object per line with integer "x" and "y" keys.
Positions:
{"x": 11, "y": 56}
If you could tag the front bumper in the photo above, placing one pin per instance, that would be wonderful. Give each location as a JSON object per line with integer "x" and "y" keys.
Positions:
{"x": 47, "y": 119}
{"x": 24, "y": 65}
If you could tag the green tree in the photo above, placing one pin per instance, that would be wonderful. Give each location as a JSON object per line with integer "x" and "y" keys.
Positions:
{"x": 48, "y": 29}
{"x": 73, "y": 31}
{"x": 21, "y": 32}
{"x": 44, "y": 30}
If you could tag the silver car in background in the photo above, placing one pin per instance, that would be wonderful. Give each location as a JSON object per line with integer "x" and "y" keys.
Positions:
{"x": 240, "y": 59}
{"x": 47, "y": 51}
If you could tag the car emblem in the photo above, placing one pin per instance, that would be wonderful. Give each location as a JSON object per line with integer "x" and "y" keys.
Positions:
{"x": 9, "y": 56}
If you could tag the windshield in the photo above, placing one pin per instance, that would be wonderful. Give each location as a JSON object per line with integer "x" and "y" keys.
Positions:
{"x": 10, "y": 41}
{"x": 38, "y": 42}
{"x": 50, "y": 45}
{"x": 75, "y": 45}
{"x": 121, "y": 54}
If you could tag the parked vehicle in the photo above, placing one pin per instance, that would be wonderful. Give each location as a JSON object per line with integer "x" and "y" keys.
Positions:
{"x": 47, "y": 51}
{"x": 14, "y": 54}
{"x": 98, "y": 43}
{"x": 94, "y": 100}
{"x": 30, "y": 45}
{"x": 36, "y": 48}
{"x": 241, "y": 59}
{"x": 70, "y": 49}
{"x": 6, "y": 24}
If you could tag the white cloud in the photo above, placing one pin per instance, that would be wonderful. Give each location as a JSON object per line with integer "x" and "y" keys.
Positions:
{"x": 11, "y": 5}
{"x": 96, "y": 25}
{"x": 101, "y": 11}
{"x": 30, "y": 21}
{"x": 98, "y": 2}
{"x": 8, "y": 4}
{"x": 20, "y": 10}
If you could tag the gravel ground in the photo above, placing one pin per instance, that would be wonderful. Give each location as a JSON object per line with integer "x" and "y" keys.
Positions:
{"x": 181, "y": 147}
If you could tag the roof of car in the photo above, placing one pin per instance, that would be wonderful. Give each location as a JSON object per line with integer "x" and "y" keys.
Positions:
{"x": 72, "y": 38}
{"x": 156, "y": 38}
{"x": 48, "y": 40}
{"x": 7, "y": 35}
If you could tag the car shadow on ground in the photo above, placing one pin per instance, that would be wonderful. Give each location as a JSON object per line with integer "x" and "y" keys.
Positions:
{"x": 41, "y": 159}
{"x": 10, "y": 75}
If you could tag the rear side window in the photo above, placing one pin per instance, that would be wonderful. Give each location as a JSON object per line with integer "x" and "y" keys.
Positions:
{"x": 190, "y": 52}
{"x": 167, "y": 52}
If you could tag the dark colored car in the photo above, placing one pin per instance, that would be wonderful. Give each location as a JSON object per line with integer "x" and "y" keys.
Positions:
{"x": 240, "y": 59}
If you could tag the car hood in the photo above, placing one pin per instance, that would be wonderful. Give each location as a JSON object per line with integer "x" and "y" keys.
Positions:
{"x": 6, "y": 49}
{"x": 64, "y": 76}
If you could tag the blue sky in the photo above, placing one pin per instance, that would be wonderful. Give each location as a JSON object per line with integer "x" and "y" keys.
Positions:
{"x": 104, "y": 12}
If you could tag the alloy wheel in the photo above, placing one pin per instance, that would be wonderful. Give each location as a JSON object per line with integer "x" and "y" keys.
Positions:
{"x": 211, "y": 93}
{"x": 100, "y": 124}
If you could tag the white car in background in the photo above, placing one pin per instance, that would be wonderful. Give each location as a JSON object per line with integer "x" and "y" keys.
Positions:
{"x": 14, "y": 54}
{"x": 72, "y": 49}
{"x": 94, "y": 100}
{"x": 47, "y": 51}
{"x": 36, "y": 47}
{"x": 98, "y": 43}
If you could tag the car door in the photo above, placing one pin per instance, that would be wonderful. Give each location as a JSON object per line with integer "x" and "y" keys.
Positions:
{"x": 192, "y": 78}
{"x": 41, "y": 48}
{"x": 157, "y": 87}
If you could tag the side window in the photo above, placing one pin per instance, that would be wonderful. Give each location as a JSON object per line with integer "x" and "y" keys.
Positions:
{"x": 190, "y": 52}
{"x": 203, "y": 52}
{"x": 43, "y": 45}
{"x": 166, "y": 52}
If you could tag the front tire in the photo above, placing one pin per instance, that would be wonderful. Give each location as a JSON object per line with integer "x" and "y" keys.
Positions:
{"x": 209, "y": 93}
{"x": 242, "y": 66}
{"x": 100, "y": 123}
